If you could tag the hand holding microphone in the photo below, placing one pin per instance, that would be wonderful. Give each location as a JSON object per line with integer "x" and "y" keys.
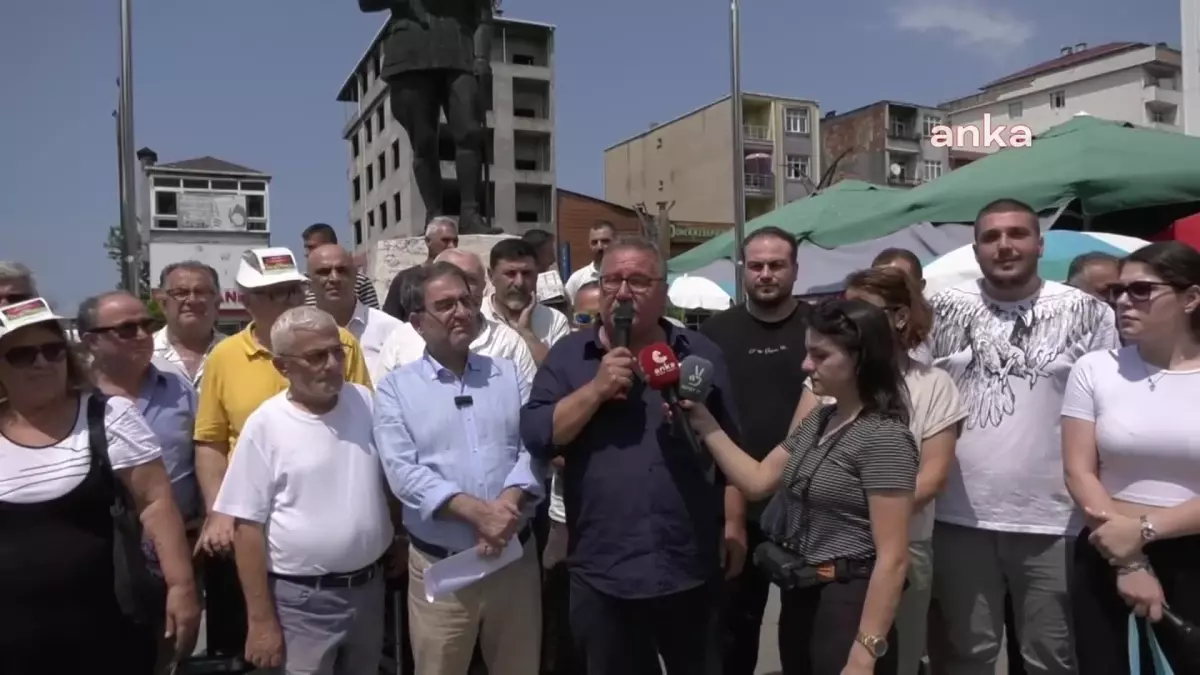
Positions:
{"x": 615, "y": 375}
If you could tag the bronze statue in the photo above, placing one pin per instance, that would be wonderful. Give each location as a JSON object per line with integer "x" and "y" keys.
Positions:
{"x": 437, "y": 56}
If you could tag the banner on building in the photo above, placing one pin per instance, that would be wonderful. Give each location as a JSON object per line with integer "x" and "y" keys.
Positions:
{"x": 212, "y": 211}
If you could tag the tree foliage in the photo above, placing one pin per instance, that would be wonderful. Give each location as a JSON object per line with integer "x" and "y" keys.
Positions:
{"x": 114, "y": 246}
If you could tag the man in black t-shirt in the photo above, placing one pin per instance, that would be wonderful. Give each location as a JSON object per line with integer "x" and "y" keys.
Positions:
{"x": 763, "y": 343}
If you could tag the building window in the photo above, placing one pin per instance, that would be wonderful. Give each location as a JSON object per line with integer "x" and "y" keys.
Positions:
{"x": 165, "y": 203}
{"x": 933, "y": 170}
{"x": 382, "y": 165}
{"x": 166, "y": 182}
{"x": 370, "y": 178}
{"x": 1158, "y": 117}
{"x": 256, "y": 206}
{"x": 795, "y": 120}
{"x": 797, "y": 167}
{"x": 379, "y": 119}
{"x": 383, "y": 221}
{"x": 256, "y": 226}
{"x": 1058, "y": 99}
{"x": 396, "y": 155}
{"x": 931, "y": 121}
{"x": 357, "y": 189}
{"x": 354, "y": 145}
{"x": 166, "y": 223}
{"x": 253, "y": 186}
{"x": 194, "y": 184}
{"x": 358, "y": 238}
{"x": 370, "y": 222}
{"x": 396, "y": 206}
{"x": 367, "y": 127}
{"x": 225, "y": 185}
{"x": 1016, "y": 110}
{"x": 523, "y": 60}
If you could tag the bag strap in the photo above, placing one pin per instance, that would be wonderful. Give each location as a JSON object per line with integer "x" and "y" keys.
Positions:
{"x": 97, "y": 438}
{"x": 1161, "y": 665}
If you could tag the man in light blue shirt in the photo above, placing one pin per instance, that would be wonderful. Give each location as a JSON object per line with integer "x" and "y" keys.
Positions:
{"x": 447, "y": 431}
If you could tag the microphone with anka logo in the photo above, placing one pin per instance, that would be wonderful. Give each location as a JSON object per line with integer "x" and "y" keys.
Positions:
{"x": 662, "y": 371}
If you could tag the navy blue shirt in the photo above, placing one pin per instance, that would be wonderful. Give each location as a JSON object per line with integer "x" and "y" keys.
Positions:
{"x": 645, "y": 518}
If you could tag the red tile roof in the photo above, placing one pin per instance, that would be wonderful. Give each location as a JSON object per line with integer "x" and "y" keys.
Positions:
{"x": 1069, "y": 60}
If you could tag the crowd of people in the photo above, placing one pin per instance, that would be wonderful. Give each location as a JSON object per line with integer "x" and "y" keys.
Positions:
{"x": 920, "y": 478}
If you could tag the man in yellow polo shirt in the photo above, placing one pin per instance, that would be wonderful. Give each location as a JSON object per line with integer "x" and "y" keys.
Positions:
{"x": 238, "y": 377}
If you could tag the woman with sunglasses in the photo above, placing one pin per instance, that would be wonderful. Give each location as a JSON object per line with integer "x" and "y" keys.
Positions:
{"x": 1131, "y": 453}
{"x": 845, "y": 479}
{"x": 58, "y": 609}
{"x": 935, "y": 411}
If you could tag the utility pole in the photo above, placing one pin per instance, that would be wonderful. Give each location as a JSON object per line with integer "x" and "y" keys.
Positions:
{"x": 739, "y": 160}
{"x": 129, "y": 221}
{"x": 1189, "y": 24}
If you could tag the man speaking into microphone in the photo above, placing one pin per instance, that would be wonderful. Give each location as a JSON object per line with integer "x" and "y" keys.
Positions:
{"x": 645, "y": 512}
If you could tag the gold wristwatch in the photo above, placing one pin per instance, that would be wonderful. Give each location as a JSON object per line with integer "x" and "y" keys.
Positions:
{"x": 877, "y": 646}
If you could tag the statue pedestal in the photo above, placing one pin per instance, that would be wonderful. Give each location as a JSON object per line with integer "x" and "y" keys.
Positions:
{"x": 391, "y": 256}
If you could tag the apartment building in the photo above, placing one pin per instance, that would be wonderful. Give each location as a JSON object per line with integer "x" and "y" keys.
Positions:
{"x": 384, "y": 200}
{"x": 1130, "y": 82}
{"x": 886, "y": 143}
{"x": 204, "y": 209}
{"x": 689, "y": 160}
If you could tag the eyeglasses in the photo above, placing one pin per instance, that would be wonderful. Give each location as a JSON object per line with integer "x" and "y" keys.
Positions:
{"x": 1139, "y": 291}
{"x": 27, "y": 355}
{"x": 638, "y": 283}
{"x": 14, "y": 298}
{"x": 282, "y": 294}
{"x": 127, "y": 330}
{"x": 319, "y": 357}
{"x": 181, "y": 294}
{"x": 585, "y": 318}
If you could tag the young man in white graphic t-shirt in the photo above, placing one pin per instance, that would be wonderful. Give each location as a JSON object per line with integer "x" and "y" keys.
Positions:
{"x": 1005, "y": 522}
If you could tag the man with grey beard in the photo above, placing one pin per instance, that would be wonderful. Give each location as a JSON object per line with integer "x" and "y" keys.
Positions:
{"x": 763, "y": 341}
{"x": 513, "y": 300}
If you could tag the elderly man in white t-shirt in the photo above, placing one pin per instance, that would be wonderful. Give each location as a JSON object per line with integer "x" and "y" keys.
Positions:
{"x": 494, "y": 339}
{"x": 306, "y": 486}
{"x": 331, "y": 273}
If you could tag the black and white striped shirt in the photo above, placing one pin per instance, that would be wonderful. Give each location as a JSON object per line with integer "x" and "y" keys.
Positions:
{"x": 873, "y": 452}
{"x": 363, "y": 288}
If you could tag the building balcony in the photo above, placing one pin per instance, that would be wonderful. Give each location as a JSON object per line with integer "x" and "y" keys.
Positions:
{"x": 537, "y": 125}
{"x": 1162, "y": 97}
{"x": 756, "y": 133}
{"x": 759, "y": 184}
{"x": 903, "y": 181}
{"x": 523, "y": 71}
{"x": 524, "y": 177}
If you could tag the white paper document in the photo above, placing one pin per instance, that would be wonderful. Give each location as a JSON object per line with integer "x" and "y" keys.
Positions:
{"x": 460, "y": 570}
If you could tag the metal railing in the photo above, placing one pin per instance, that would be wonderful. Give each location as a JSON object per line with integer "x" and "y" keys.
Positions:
{"x": 760, "y": 182}
{"x": 756, "y": 132}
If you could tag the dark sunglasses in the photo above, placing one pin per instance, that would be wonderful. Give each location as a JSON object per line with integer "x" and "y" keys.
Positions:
{"x": 1139, "y": 291}
{"x": 27, "y": 355}
{"x": 128, "y": 330}
{"x": 14, "y": 298}
{"x": 584, "y": 318}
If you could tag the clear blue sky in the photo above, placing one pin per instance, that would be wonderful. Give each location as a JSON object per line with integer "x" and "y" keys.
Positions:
{"x": 253, "y": 82}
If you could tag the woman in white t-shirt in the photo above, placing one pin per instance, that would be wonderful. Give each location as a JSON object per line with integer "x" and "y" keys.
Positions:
{"x": 1131, "y": 452}
{"x": 58, "y": 610}
{"x": 934, "y": 413}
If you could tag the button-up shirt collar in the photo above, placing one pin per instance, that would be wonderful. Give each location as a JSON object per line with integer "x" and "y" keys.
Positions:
{"x": 166, "y": 351}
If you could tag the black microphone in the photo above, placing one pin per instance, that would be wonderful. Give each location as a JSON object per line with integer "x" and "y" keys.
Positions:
{"x": 622, "y": 320}
{"x": 695, "y": 379}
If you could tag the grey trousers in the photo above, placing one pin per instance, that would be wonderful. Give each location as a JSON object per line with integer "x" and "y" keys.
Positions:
{"x": 330, "y": 631}
{"x": 974, "y": 569}
{"x": 912, "y": 614}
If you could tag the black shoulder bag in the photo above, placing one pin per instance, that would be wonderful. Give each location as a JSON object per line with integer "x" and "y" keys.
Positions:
{"x": 141, "y": 594}
{"x": 784, "y": 567}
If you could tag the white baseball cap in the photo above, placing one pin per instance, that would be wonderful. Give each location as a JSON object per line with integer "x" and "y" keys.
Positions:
{"x": 25, "y": 313}
{"x": 262, "y": 267}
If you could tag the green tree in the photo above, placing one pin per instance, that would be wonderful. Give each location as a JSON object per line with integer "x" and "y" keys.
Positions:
{"x": 113, "y": 247}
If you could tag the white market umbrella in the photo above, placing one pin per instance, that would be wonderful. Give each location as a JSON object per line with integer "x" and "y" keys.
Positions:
{"x": 688, "y": 292}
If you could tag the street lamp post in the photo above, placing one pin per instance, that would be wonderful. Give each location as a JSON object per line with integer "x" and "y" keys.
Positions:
{"x": 132, "y": 252}
{"x": 739, "y": 162}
